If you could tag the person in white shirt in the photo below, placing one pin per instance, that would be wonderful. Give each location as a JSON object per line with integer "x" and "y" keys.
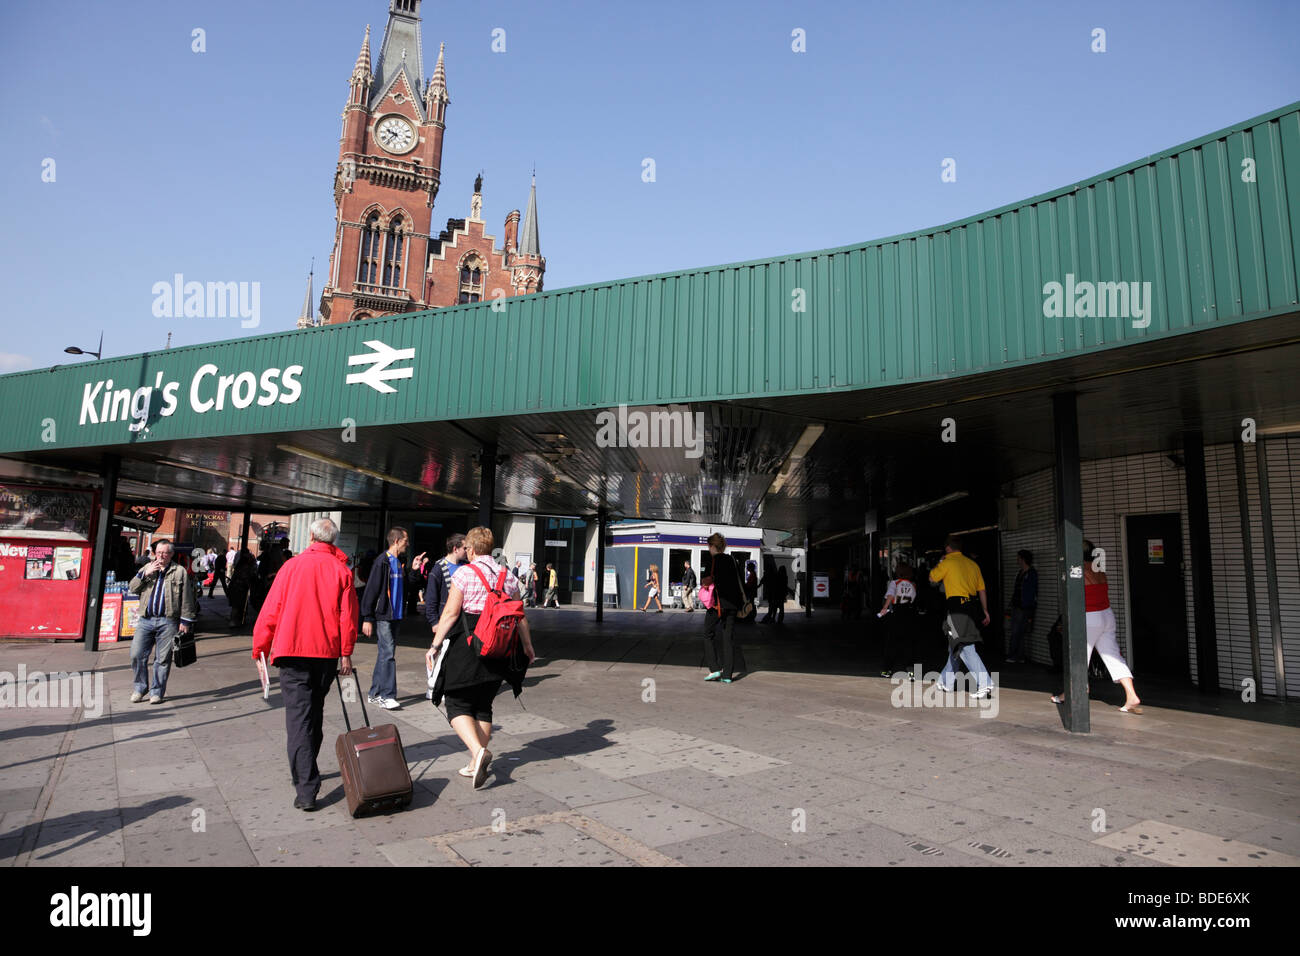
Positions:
{"x": 900, "y": 619}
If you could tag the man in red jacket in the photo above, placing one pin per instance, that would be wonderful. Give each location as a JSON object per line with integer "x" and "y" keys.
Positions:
{"x": 308, "y": 627}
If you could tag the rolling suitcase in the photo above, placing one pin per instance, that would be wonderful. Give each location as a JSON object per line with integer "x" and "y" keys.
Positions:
{"x": 372, "y": 763}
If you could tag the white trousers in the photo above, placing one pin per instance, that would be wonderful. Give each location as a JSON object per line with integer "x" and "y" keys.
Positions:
{"x": 1101, "y": 636}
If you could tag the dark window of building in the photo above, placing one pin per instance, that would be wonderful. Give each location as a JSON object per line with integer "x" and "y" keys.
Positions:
{"x": 368, "y": 267}
{"x": 393, "y": 254}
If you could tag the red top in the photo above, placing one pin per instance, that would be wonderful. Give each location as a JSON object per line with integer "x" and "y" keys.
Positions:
{"x": 1096, "y": 597}
{"x": 311, "y": 610}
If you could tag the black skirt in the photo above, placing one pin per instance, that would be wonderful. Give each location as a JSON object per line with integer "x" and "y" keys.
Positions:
{"x": 463, "y": 668}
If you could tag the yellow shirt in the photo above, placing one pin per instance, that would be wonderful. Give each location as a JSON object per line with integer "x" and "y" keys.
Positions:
{"x": 960, "y": 575}
{"x": 554, "y": 581}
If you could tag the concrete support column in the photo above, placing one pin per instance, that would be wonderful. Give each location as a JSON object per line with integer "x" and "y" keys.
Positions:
{"x": 1069, "y": 543}
{"x": 99, "y": 556}
{"x": 601, "y": 520}
{"x": 1248, "y": 562}
{"x": 487, "y": 484}
{"x": 1198, "y": 521}
{"x": 807, "y": 573}
{"x": 1270, "y": 568}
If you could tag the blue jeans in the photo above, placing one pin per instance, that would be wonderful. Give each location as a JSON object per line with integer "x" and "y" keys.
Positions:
{"x": 151, "y": 631}
{"x": 1021, "y": 622}
{"x": 384, "y": 683}
{"x": 971, "y": 658}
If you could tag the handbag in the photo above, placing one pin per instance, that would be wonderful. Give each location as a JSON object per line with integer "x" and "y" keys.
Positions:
{"x": 748, "y": 609}
{"x": 185, "y": 652}
{"x": 705, "y": 595}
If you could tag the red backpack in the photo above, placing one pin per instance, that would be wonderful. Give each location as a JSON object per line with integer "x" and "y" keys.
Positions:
{"x": 494, "y": 635}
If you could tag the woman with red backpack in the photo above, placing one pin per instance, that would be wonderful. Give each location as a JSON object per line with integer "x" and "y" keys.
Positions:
{"x": 467, "y": 671}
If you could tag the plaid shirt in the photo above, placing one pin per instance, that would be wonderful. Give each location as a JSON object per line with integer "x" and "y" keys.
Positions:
{"x": 475, "y": 595}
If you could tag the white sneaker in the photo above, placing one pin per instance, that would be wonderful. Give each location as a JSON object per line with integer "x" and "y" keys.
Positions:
{"x": 136, "y": 697}
{"x": 388, "y": 703}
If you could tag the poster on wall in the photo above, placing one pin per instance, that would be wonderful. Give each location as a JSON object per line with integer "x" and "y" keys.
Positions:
{"x": 50, "y": 513}
{"x": 130, "y": 615}
{"x": 40, "y": 563}
{"x": 202, "y": 529}
{"x": 821, "y": 585}
{"x": 110, "y": 618}
{"x": 1155, "y": 550}
{"x": 67, "y": 564}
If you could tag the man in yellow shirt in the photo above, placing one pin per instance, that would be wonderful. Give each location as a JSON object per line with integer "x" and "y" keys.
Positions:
{"x": 962, "y": 581}
{"x": 552, "y": 587}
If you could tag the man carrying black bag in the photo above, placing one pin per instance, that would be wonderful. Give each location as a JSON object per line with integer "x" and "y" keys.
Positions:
{"x": 308, "y": 627}
{"x": 962, "y": 582}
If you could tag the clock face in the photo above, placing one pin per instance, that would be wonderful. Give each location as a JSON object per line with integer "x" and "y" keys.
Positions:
{"x": 395, "y": 134}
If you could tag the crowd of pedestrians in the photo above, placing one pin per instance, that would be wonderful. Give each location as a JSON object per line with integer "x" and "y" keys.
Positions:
{"x": 314, "y": 607}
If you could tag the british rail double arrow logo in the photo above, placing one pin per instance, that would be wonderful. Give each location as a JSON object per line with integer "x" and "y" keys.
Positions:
{"x": 378, "y": 374}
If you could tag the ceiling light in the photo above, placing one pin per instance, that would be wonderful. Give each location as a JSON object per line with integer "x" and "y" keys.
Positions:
{"x": 171, "y": 463}
{"x": 955, "y": 496}
{"x": 370, "y": 473}
{"x": 801, "y": 448}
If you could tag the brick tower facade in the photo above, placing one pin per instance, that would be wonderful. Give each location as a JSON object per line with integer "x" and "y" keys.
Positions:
{"x": 385, "y": 259}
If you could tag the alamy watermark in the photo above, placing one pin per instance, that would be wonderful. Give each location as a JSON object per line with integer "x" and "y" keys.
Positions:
{"x": 1100, "y": 300}
{"x": 658, "y": 428}
{"x": 211, "y": 300}
{"x": 124, "y": 910}
{"x": 58, "y": 689}
{"x": 923, "y": 690}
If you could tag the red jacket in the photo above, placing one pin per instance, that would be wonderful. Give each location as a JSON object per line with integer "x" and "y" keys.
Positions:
{"x": 311, "y": 610}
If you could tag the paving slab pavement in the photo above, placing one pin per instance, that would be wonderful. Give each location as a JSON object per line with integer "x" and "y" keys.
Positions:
{"x": 790, "y": 765}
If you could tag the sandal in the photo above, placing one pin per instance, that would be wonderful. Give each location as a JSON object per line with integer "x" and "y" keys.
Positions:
{"x": 1058, "y": 698}
{"x": 466, "y": 771}
{"x": 1135, "y": 709}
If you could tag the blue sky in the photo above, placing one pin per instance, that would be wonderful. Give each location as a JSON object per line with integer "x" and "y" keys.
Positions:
{"x": 219, "y": 165}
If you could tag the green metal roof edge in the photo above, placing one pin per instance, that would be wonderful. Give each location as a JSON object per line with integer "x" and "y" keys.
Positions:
{"x": 771, "y": 260}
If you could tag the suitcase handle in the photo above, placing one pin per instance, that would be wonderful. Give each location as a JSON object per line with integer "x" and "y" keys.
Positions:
{"x": 338, "y": 681}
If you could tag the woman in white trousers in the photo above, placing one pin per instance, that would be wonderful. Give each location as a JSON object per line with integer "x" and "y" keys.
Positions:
{"x": 1101, "y": 632}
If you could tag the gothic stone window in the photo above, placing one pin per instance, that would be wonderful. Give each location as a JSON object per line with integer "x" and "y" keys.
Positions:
{"x": 368, "y": 267}
{"x": 393, "y": 253}
{"x": 472, "y": 272}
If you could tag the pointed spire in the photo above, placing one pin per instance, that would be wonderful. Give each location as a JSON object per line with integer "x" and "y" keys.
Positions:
{"x": 362, "y": 70}
{"x": 305, "y": 319}
{"x": 400, "y": 51}
{"x": 438, "y": 84}
{"x": 528, "y": 244}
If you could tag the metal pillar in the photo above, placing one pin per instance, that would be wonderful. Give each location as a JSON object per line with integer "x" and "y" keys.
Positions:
{"x": 1198, "y": 522}
{"x": 383, "y": 520}
{"x": 807, "y": 573}
{"x": 601, "y": 519}
{"x": 243, "y": 533}
{"x": 99, "y": 557}
{"x": 1270, "y": 570}
{"x": 1069, "y": 542}
{"x": 487, "y": 484}
{"x": 1248, "y": 560}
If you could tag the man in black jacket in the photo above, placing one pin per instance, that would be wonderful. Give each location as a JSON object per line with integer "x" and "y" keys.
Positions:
{"x": 382, "y": 606}
{"x": 688, "y": 586}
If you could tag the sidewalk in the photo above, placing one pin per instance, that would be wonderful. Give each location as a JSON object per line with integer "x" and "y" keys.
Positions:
{"x": 626, "y": 757}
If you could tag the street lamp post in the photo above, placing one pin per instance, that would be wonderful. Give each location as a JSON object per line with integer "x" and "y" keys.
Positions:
{"x": 73, "y": 350}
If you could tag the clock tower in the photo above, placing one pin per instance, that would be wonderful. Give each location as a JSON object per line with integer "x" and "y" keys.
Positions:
{"x": 385, "y": 258}
{"x": 390, "y": 157}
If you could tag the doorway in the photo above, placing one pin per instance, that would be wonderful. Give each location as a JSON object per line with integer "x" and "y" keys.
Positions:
{"x": 1157, "y": 599}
